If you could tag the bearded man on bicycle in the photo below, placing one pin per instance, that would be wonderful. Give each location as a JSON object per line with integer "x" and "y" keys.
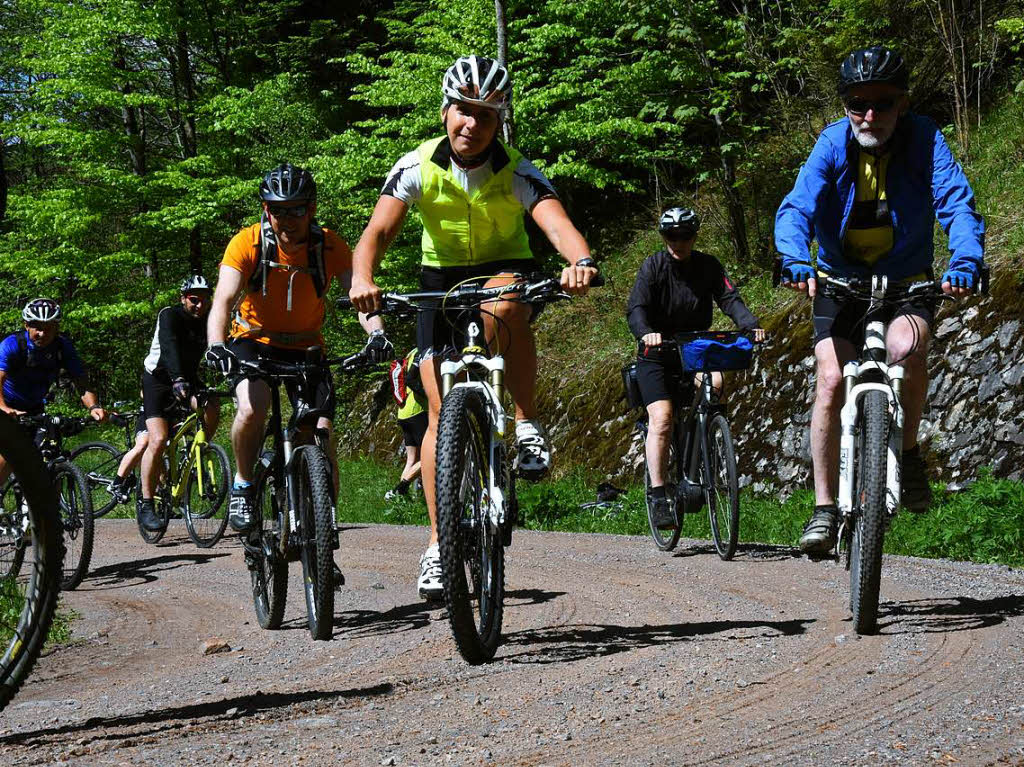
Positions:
{"x": 472, "y": 191}
{"x": 672, "y": 294}
{"x": 281, "y": 270}
{"x": 869, "y": 194}
{"x": 170, "y": 377}
{"x": 32, "y": 359}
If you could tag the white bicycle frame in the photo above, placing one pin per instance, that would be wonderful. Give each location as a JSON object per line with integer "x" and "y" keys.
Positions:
{"x": 874, "y": 355}
{"x": 491, "y": 390}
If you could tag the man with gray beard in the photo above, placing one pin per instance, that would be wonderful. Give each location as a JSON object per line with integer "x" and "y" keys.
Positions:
{"x": 869, "y": 193}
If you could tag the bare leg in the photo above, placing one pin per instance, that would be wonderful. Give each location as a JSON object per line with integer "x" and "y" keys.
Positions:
{"x": 430, "y": 375}
{"x": 131, "y": 459}
{"x": 247, "y": 430}
{"x": 513, "y": 338}
{"x": 831, "y": 354}
{"x": 152, "y": 459}
{"x": 659, "y": 432}
{"x": 412, "y": 463}
{"x": 900, "y": 341}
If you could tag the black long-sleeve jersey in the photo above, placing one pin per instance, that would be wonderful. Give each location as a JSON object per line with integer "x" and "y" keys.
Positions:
{"x": 672, "y": 296}
{"x": 179, "y": 343}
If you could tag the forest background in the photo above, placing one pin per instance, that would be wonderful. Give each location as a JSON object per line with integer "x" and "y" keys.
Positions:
{"x": 134, "y": 134}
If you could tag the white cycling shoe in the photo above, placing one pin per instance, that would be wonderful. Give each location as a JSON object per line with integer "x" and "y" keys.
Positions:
{"x": 534, "y": 455}
{"x": 430, "y": 585}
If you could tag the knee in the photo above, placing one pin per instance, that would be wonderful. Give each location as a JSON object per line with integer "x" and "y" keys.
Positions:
{"x": 659, "y": 421}
{"x": 156, "y": 444}
{"x": 247, "y": 413}
{"x": 827, "y": 392}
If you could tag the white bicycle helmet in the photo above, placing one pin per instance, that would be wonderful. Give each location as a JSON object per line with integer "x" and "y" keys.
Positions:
{"x": 477, "y": 80}
{"x": 195, "y": 282}
{"x": 41, "y": 310}
{"x": 682, "y": 222}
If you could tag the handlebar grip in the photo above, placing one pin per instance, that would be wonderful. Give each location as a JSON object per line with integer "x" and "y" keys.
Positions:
{"x": 777, "y": 272}
{"x": 344, "y": 302}
{"x": 598, "y": 281}
{"x": 983, "y": 286}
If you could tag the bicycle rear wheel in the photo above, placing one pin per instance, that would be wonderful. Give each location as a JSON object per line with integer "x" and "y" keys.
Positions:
{"x": 205, "y": 512}
{"x": 268, "y": 571}
{"x": 99, "y": 461}
{"x": 472, "y": 555}
{"x": 76, "y": 516}
{"x": 665, "y": 538}
{"x": 869, "y": 520}
{"x": 316, "y": 535}
{"x": 15, "y": 532}
{"x": 28, "y": 599}
{"x": 724, "y": 496}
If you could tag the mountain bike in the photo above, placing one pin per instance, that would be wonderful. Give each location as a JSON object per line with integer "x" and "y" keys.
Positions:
{"x": 701, "y": 465}
{"x": 74, "y": 500}
{"x": 871, "y": 441}
{"x": 477, "y": 506}
{"x": 195, "y": 479}
{"x": 30, "y": 531}
{"x": 294, "y": 498}
{"x": 100, "y": 461}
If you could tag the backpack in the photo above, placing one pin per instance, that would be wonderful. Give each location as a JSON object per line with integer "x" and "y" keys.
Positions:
{"x": 405, "y": 377}
{"x": 266, "y": 252}
{"x": 26, "y": 360}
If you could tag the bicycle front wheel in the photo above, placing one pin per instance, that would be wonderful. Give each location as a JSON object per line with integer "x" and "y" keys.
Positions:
{"x": 724, "y": 495}
{"x": 316, "y": 534}
{"x": 869, "y": 520}
{"x": 268, "y": 570}
{"x": 99, "y": 461}
{"x": 28, "y": 598}
{"x": 472, "y": 555}
{"x": 205, "y": 512}
{"x": 15, "y": 530}
{"x": 76, "y": 516}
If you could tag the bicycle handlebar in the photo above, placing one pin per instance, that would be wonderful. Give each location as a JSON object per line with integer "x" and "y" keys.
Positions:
{"x": 280, "y": 369}
{"x": 68, "y": 425}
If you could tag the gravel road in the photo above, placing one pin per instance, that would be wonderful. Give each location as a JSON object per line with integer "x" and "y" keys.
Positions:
{"x": 615, "y": 654}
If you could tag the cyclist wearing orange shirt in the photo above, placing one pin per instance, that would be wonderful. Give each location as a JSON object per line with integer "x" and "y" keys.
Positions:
{"x": 282, "y": 267}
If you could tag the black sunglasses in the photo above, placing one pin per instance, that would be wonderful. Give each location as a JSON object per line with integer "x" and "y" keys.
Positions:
{"x": 679, "y": 235}
{"x": 295, "y": 211}
{"x": 878, "y": 106}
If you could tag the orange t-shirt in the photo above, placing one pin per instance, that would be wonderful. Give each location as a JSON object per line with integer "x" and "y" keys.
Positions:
{"x": 270, "y": 312}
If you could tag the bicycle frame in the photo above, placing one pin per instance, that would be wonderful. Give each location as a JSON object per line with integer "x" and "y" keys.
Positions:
{"x": 490, "y": 383}
{"x": 695, "y": 422}
{"x": 177, "y": 476}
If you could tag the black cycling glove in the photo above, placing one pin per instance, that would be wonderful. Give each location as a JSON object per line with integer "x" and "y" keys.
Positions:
{"x": 182, "y": 390}
{"x": 221, "y": 358}
{"x": 378, "y": 348}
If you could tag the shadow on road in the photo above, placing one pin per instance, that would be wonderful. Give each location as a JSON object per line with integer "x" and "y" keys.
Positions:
{"x": 170, "y": 718}
{"x": 753, "y": 551}
{"x": 930, "y": 616}
{"x": 349, "y": 624}
{"x": 564, "y": 644}
{"x": 124, "y": 574}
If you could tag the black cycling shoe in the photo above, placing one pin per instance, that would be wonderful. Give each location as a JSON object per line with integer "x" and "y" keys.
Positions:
{"x": 820, "y": 531}
{"x": 916, "y": 494}
{"x": 121, "y": 488}
{"x": 146, "y": 513}
{"x": 241, "y": 514}
{"x": 662, "y": 513}
{"x": 339, "y": 577}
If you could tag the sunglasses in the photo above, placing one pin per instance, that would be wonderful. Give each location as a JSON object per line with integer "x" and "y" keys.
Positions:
{"x": 194, "y": 299}
{"x": 678, "y": 235}
{"x": 878, "y": 106}
{"x": 295, "y": 211}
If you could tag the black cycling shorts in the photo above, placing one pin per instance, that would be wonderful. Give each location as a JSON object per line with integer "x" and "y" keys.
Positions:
{"x": 844, "y": 318}
{"x": 414, "y": 429}
{"x": 158, "y": 397}
{"x": 435, "y": 335}
{"x": 659, "y": 374}
{"x": 320, "y": 395}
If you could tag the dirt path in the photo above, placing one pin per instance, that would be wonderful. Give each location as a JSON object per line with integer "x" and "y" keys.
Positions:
{"x": 615, "y": 654}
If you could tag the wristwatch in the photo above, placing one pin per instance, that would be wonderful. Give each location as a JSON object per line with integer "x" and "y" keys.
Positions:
{"x": 588, "y": 261}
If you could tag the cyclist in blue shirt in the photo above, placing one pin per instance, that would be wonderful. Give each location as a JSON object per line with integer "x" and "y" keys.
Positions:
{"x": 31, "y": 360}
{"x": 869, "y": 194}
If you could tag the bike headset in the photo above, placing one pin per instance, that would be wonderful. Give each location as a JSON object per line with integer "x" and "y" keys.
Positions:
{"x": 501, "y": 324}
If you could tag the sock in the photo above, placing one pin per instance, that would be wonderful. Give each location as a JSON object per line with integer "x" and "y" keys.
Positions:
{"x": 658, "y": 492}
{"x": 829, "y": 507}
{"x": 402, "y": 488}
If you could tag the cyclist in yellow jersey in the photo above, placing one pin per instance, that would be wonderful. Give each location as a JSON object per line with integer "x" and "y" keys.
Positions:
{"x": 472, "y": 191}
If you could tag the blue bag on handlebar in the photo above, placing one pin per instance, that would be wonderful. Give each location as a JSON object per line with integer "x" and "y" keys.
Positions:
{"x": 706, "y": 354}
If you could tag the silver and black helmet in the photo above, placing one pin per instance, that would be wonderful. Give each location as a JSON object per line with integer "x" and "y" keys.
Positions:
{"x": 477, "y": 80}
{"x": 41, "y": 310}
{"x": 195, "y": 282}
{"x": 679, "y": 223}
{"x": 288, "y": 183}
{"x": 873, "y": 65}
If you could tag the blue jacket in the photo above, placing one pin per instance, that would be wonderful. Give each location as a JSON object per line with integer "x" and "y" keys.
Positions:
{"x": 30, "y": 375}
{"x": 922, "y": 181}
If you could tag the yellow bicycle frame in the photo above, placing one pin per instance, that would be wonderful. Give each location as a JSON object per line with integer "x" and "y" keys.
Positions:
{"x": 177, "y": 477}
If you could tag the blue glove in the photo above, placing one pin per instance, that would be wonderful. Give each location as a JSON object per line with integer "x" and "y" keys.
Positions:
{"x": 798, "y": 272}
{"x": 960, "y": 278}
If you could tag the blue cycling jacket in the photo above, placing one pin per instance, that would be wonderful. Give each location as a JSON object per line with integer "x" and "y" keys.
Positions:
{"x": 923, "y": 181}
{"x": 29, "y": 377}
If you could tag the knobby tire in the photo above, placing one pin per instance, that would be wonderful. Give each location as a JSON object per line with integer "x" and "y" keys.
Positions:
{"x": 724, "y": 496}
{"x": 472, "y": 555}
{"x": 869, "y": 525}
{"x": 316, "y": 535}
{"x": 206, "y": 513}
{"x": 99, "y": 462}
{"x": 269, "y": 575}
{"x": 77, "y": 521}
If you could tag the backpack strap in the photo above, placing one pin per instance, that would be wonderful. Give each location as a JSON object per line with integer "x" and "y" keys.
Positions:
{"x": 24, "y": 359}
{"x": 266, "y": 253}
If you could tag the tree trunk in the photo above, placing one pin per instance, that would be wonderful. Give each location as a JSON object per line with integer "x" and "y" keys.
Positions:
{"x": 737, "y": 221}
{"x": 186, "y": 87}
{"x": 508, "y": 128}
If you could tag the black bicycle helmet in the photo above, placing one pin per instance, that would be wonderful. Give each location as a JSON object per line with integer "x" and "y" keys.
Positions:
{"x": 287, "y": 183}
{"x": 679, "y": 222}
{"x": 873, "y": 65}
{"x": 41, "y": 310}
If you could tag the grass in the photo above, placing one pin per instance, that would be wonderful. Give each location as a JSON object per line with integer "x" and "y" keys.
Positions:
{"x": 12, "y": 601}
{"x": 983, "y": 523}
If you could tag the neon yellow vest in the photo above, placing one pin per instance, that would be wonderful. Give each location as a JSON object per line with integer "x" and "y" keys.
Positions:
{"x": 413, "y": 404}
{"x": 459, "y": 230}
